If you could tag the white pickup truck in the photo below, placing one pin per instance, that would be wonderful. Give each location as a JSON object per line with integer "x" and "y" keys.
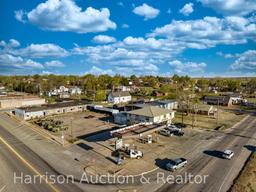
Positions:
{"x": 173, "y": 165}
{"x": 135, "y": 154}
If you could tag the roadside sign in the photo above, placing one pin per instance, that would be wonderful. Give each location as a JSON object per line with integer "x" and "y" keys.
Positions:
{"x": 118, "y": 144}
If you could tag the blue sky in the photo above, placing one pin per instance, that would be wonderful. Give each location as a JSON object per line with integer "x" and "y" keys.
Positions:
{"x": 142, "y": 37}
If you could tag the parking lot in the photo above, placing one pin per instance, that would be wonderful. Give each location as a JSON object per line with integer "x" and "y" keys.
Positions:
{"x": 95, "y": 146}
{"x": 154, "y": 154}
{"x": 83, "y": 124}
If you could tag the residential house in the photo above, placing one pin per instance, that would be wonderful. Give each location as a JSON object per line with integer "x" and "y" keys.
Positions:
{"x": 117, "y": 97}
{"x": 204, "y": 109}
{"x": 64, "y": 92}
{"x": 159, "y": 93}
{"x": 75, "y": 90}
{"x": 217, "y": 100}
{"x": 124, "y": 88}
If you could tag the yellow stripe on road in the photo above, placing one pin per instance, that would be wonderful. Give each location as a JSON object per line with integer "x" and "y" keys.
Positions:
{"x": 29, "y": 165}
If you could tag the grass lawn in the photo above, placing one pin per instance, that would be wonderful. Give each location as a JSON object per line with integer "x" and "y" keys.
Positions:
{"x": 226, "y": 119}
{"x": 253, "y": 100}
{"x": 246, "y": 182}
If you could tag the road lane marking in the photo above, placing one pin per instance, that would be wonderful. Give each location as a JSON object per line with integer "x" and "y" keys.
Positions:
{"x": 29, "y": 165}
{"x": 2, "y": 189}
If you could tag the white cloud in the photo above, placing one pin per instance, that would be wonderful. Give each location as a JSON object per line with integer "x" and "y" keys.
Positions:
{"x": 65, "y": 15}
{"x": 208, "y": 32}
{"x": 120, "y": 3}
{"x": 141, "y": 42}
{"x": 187, "y": 9}
{"x": 98, "y": 71}
{"x": 32, "y": 64}
{"x": 47, "y": 72}
{"x": 9, "y": 62}
{"x": 54, "y": 63}
{"x": 132, "y": 55}
{"x": 146, "y": 11}
{"x": 231, "y": 7}
{"x": 245, "y": 62}
{"x": 7, "y": 59}
{"x": 228, "y": 55}
{"x": 11, "y": 44}
{"x": 125, "y": 26}
{"x": 187, "y": 67}
{"x": 41, "y": 50}
{"x": 14, "y": 43}
{"x": 103, "y": 39}
{"x": 20, "y": 16}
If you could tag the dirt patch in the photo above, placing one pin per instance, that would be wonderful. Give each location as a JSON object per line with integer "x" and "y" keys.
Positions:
{"x": 246, "y": 182}
{"x": 226, "y": 120}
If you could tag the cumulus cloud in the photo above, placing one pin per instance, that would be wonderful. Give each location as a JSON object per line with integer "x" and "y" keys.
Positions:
{"x": 125, "y": 26}
{"x": 12, "y": 63}
{"x": 54, "y": 63}
{"x": 65, "y": 15}
{"x": 231, "y": 7}
{"x": 228, "y": 55}
{"x": 146, "y": 11}
{"x": 245, "y": 62}
{"x": 187, "y": 9}
{"x": 103, "y": 39}
{"x": 33, "y": 64}
{"x": 187, "y": 67}
{"x": 208, "y": 32}
{"x": 132, "y": 55}
{"x": 11, "y": 44}
{"x": 41, "y": 50}
{"x": 98, "y": 71}
{"x": 20, "y": 16}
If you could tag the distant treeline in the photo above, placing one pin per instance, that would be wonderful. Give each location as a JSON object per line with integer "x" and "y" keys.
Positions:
{"x": 42, "y": 83}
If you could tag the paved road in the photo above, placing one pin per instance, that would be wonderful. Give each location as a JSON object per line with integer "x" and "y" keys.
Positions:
{"x": 221, "y": 172}
{"x": 15, "y": 157}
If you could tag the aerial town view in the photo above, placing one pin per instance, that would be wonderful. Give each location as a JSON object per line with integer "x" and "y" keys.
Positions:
{"x": 128, "y": 96}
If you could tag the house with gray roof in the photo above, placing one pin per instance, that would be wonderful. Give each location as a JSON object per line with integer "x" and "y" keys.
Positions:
{"x": 151, "y": 114}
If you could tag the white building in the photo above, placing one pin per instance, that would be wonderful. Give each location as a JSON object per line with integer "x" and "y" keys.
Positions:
{"x": 167, "y": 104}
{"x": 124, "y": 88}
{"x": 75, "y": 90}
{"x": 151, "y": 114}
{"x": 20, "y": 101}
{"x": 119, "y": 97}
{"x": 65, "y": 92}
{"x": 28, "y": 113}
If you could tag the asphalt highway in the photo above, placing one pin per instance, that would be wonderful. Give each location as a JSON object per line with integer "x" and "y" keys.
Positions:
{"x": 17, "y": 160}
{"x": 219, "y": 172}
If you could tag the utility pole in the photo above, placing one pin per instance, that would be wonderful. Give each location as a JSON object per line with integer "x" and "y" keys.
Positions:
{"x": 218, "y": 112}
{"x": 71, "y": 127}
{"x": 62, "y": 138}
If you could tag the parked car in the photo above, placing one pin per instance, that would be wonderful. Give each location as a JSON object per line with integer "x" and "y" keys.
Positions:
{"x": 173, "y": 165}
{"x": 173, "y": 128}
{"x": 135, "y": 154}
{"x": 228, "y": 154}
{"x": 177, "y": 133}
{"x": 165, "y": 132}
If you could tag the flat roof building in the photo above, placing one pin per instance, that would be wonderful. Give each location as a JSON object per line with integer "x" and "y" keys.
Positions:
{"x": 20, "y": 101}
{"x": 27, "y": 113}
